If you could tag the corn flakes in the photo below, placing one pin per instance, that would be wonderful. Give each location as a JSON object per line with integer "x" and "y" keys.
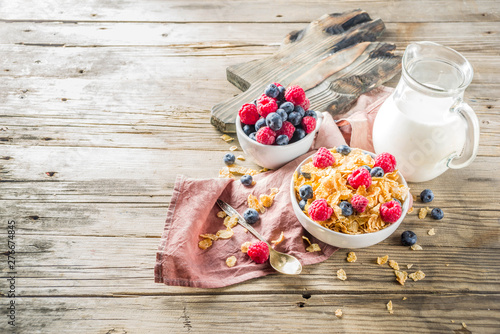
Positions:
{"x": 225, "y": 234}
{"x": 417, "y": 276}
{"x": 209, "y": 236}
{"x": 338, "y": 313}
{"x": 231, "y": 261}
{"x": 253, "y": 203}
{"x": 401, "y": 276}
{"x": 382, "y": 260}
{"x": 306, "y": 239}
{"x": 231, "y": 221}
{"x": 409, "y": 266}
{"x": 351, "y": 257}
{"x": 389, "y": 307}
{"x": 244, "y": 246}
{"x": 393, "y": 264}
{"x": 227, "y": 138}
{"x": 416, "y": 247}
{"x": 233, "y": 148}
{"x": 205, "y": 243}
{"x": 279, "y": 240}
{"x": 341, "y": 275}
{"x": 313, "y": 248}
{"x": 225, "y": 173}
{"x": 221, "y": 214}
{"x": 240, "y": 170}
{"x": 240, "y": 157}
{"x": 431, "y": 232}
{"x": 422, "y": 213}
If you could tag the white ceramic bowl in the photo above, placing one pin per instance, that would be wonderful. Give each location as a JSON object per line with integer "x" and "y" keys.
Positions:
{"x": 344, "y": 240}
{"x": 275, "y": 156}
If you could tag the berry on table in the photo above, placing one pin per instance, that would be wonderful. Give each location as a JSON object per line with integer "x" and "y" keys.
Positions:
{"x": 248, "y": 114}
{"x": 229, "y": 159}
{"x": 377, "y": 172}
{"x": 319, "y": 210}
{"x": 283, "y": 114}
{"x": 260, "y": 123}
{"x": 246, "y": 180}
{"x": 386, "y": 161}
{"x": 344, "y": 149}
{"x": 251, "y": 216}
{"x": 294, "y": 118}
{"x": 359, "y": 203}
{"x": 286, "y": 129}
{"x": 360, "y": 177}
{"x": 282, "y": 140}
{"x": 306, "y": 192}
{"x": 390, "y": 212}
{"x": 323, "y": 158}
{"x": 258, "y": 252}
{"x": 309, "y": 124}
{"x": 266, "y": 105}
{"x": 408, "y": 238}
{"x": 287, "y": 107}
{"x": 437, "y": 214}
{"x": 272, "y": 91}
{"x": 295, "y": 94}
{"x": 248, "y": 129}
{"x": 426, "y": 196}
{"x": 298, "y": 135}
{"x": 265, "y": 136}
{"x": 274, "y": 121}
{"x": 346, "y": 208}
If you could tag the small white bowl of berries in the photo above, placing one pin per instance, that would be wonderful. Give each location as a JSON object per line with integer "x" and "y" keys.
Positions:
{"x": 278, "y": 126}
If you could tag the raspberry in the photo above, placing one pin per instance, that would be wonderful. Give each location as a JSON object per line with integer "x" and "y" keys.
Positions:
{"x": 390, "y": 212}
{"x": 258, "y": 252}
{"x": 309, "y": 124}
{"x": 306, "y": 104}
{"x": 360, "y": 177}
{"x": 266, "y": 105}
{"x": 319, "y": 210}
{"x": 248, "y": 114}
{"x": 265, "y": 136}
{"x": 386, "y": 161}
{"x": 323, "y": 158}
{"x": 295, "y": 94}
{"x": 359, "y": 203}
{"x": 286, "y": 129}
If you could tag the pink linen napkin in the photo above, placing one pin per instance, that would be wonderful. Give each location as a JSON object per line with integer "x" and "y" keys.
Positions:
{"x": 193, "y": 209}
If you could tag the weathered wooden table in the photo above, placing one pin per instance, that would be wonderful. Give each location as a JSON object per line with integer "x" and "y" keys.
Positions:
{"x": 103, "y": 103}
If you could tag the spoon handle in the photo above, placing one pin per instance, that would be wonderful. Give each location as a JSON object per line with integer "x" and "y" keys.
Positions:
{"x": 229, "y": 210}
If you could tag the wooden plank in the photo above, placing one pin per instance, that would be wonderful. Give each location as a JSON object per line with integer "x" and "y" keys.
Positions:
{"x": 246, "y": 11}
{"x": 419, "y": 313}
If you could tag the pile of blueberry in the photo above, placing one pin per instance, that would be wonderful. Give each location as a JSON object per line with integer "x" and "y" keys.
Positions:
{"x": 279, "y": 116}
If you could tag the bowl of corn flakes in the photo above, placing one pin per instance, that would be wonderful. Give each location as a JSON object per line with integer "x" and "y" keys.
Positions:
{"x": 349, "y": 198}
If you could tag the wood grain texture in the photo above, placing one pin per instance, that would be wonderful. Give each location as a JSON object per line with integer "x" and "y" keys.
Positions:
{"x": 88, "y": 234}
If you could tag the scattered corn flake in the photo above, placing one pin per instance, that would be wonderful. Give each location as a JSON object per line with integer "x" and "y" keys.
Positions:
{"x": 306, "y": 239}
{"x": 233, "y": 148}
{"x": 404, "y": 298}
{"x": 393, "y": 264}
{"x": 422, "y": 213}
{"x": 414, "y": 197}
{"x": 389, "y": 307}
{"x": 227, "y": 138}
{"x": 279, "y": 240}
{"x": 453, "y": 321}
{"x": 209, "y": 236}
{"x": 351, "y": 257}
{"x": 240, "y": 170}
{"x": 253, "y": 203}
{"x": 338, "y": 313}
{"x": 240, "y": 157}
{"x": 221, "y": 214}
{"x": 244, "y": 246}
{"x": 266, "y": 200}
{"x": 417, "y": 276}
{"x": 382, "y": 260}
{"x": 401, "y": 276}
{"x": 225, "y": 234}
{"x": 313, "y": 248}
{"x": 245, "y": 230}
{"x": 410, "y": 210}
{"x": 205, "y": 243}
{"x": 464, "y": 325}
{"x": 263, "y": 170}
{"x": 231, "y": 221}
{"x": 231, "y": 261}
{"x": 416, "y": 247}
{"x": 431, "y": 232}
{"x": 225, "y": 173}
{"x": 341, "y": 275}
{"x": 409, "y": 266}
{"x": 447, "y": 265}
{"x": 253, "y": 182}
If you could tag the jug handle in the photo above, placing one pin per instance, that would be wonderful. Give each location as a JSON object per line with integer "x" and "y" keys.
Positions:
{"x": 472, "y": 140}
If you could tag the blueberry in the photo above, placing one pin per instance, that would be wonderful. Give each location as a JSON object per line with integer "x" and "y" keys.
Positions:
{"x": 294, "y": 118}
{"x": 272, "y": 91}
{"x": 283, "y": 114}
{"x": 344, "y": 149}
{"x": 427, "y": 195}
{"x": 408, "y": 238}
{"x": 287, "y": 107}
{"x": 311, "y": 113}
{"x": 346, "y": 208}
{"x": 300, "y": 110}
{"x": 368, "y": 168}
{"x": 304, "y": 174}
{"x": 229, "y": 159}
{"x": 306, "y": 192}
{"x": 281, "y": 95}
{"x": 251, "y": 216}
{"x": 377, "y": 172}
{"x": 282, "y": 140}
{"x": 252, "y": 136}
{"x": 274, "y": 121}
{"x": 246, "y": 180}
{"x": 298, "y": 135}
{"x": 437, "y": 213}
{"x": 302, "y": 204}
{"x": 260, "y": 123}
{"x": 248, "y": 129}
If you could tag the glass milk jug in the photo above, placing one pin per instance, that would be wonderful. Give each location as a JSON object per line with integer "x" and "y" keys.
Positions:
{"x": 424, "y": 123}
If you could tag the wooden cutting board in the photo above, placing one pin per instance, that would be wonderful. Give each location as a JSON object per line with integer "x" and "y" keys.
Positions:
{"x": 335, "y": 59}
